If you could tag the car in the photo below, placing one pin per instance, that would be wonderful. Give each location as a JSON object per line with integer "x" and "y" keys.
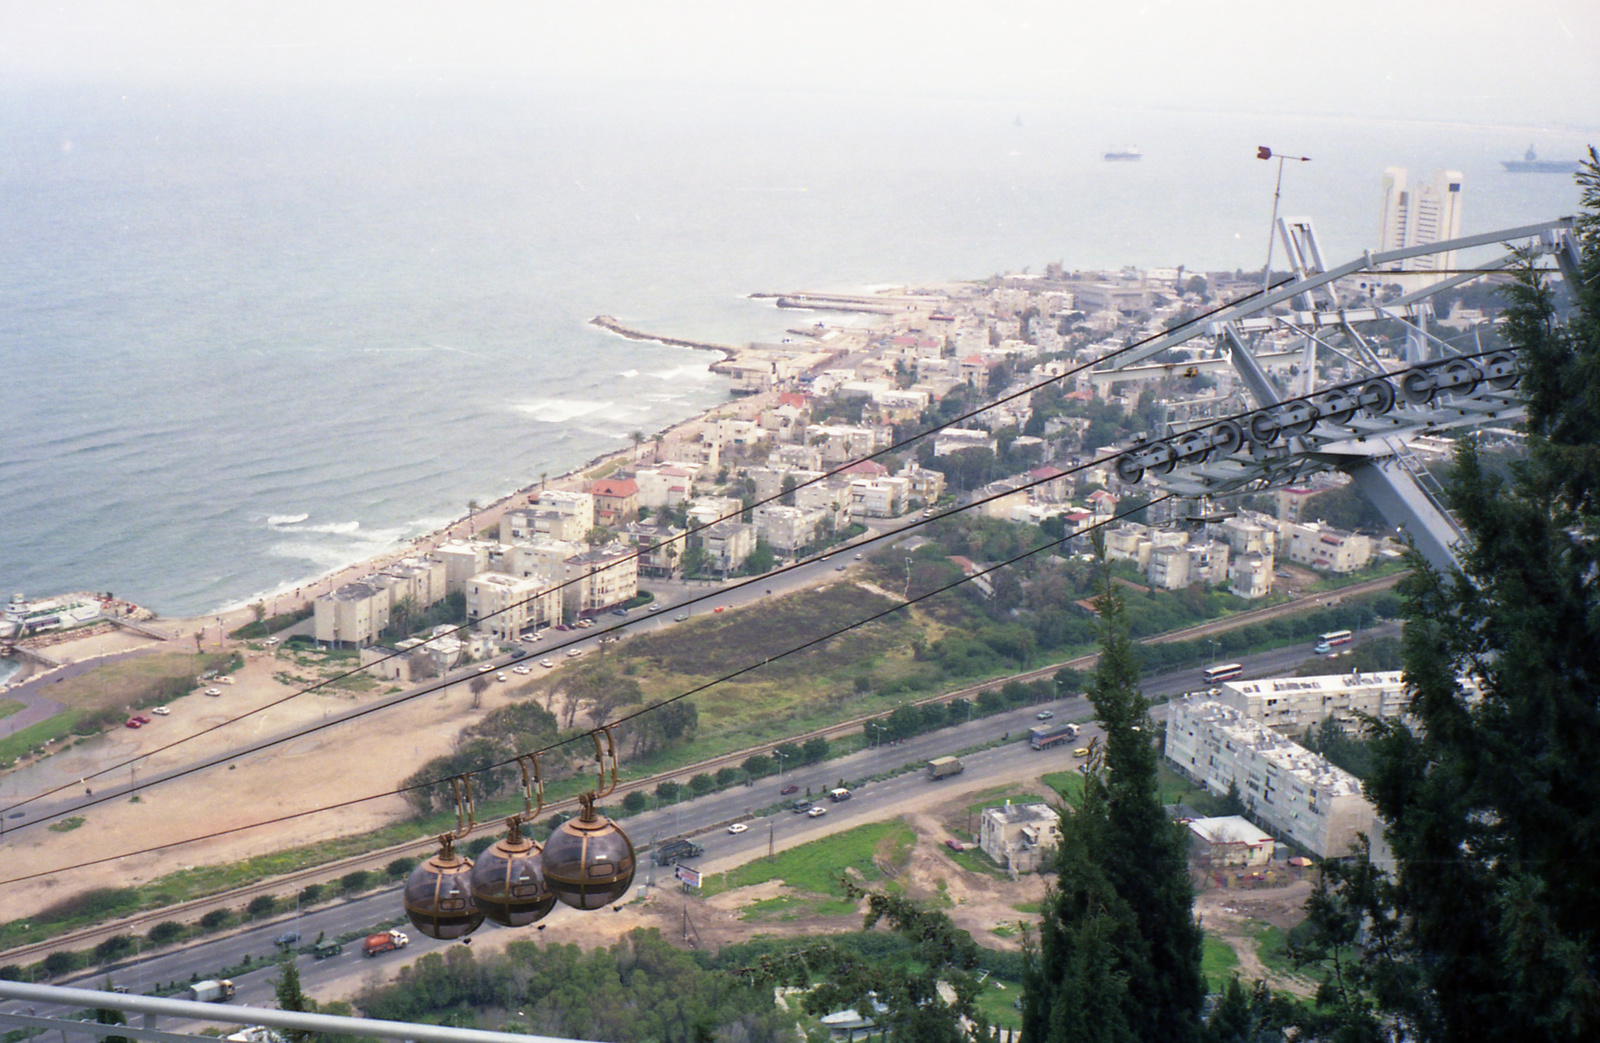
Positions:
{"x": 213, "y": 691}
{"x": 1081, "y": 751}
{"x": 838, "y": 568}
{"x": 573, "y": 653}
{"x": 720, "y": 608}
{"x": 160, "y": 711}
{"x": 737, "y": 827}
{"x": 817, "y": 812}
{"x": 1043, "y": 715}
{"x": 791, "y": 788}
{"x": 653, "y": 608}
{"x": 955, "y": 845}
{"x": 801, "y": 806}
{"x": 522, "y": 670}
{"x": 519, "y": 653}
{"x": 680, "y": 617}
{"x": 858, "y": 557}
{"x": 619, "y": 612}
{"x": 485, "y": 668}
{"x": 286, "y": 939}
{"x": 272, "y": 641}
{"x": 1283, "y": 574}
{"x": 562, "y": 627}
{"x": 133, "y": 722}
{"x": 584, "y": 624}
{"x": 547, "y": 664}
{"x": 827, "y": 557}
{"x": 141, "y": 718}
{"x": 501, "y": 676}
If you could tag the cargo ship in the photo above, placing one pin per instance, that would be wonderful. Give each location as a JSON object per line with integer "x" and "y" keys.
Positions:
{"x": 1530, "y": 163}
{"x": 1124, "y": 155}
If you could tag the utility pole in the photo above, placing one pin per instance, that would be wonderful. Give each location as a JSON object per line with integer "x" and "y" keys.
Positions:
{"x": 771, "y": 832}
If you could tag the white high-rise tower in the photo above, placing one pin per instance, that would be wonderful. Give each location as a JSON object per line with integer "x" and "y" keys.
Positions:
{"x": 1428, "y": 213}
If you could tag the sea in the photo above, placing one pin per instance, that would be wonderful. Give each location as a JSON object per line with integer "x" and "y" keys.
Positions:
{"x": 248, "y": 336}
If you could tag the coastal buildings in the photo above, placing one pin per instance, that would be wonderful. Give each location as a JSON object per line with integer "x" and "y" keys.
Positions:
{"x": 506, "y": 606}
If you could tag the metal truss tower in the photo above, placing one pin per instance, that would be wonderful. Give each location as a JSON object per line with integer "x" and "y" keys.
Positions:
{"x": 1364, "y": 423}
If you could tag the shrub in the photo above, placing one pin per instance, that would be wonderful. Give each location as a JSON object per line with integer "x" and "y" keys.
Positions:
{"x": 216, "y": 919}
{"x": 758, "y": 766}
{"x": 702, "y": 784}
{"x": 635, "y": 802}
{"x": 667, "y": 792}
{"x": 360, "y": 880}
{"x": 814, "y": 750}
{"x": 262, "y": 905}
{"x": 400, "y": 868}
{"x": 311, "y": 894}
{"x": 166, "y": 931}
{"x": 62, "y": 962}
{"x": 11, "y": 972}
{"x": 728, "y": 776}
{"x": 114, "y": 947}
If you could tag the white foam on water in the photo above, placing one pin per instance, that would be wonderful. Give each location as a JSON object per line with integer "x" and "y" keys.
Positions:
{"x": 276, "y": 520}
{"x": 554, "y": 411}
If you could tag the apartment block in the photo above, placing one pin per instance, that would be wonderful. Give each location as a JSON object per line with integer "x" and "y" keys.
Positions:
{"x": 506, "y": 606}
{"x": 1284, "y": 786}
{"x": 1291, "y": 705}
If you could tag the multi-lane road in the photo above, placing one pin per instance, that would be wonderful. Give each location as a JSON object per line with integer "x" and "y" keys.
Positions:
{"x": 705, "y": 818}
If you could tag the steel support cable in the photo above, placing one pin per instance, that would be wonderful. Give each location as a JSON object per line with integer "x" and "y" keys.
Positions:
{"x": 1107, "y": 459}
{"x": 903, "y": 443}
{"x": 724, "y": 678}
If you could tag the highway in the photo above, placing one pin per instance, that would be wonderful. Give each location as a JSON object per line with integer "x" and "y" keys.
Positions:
{"x": 705, "y": 819}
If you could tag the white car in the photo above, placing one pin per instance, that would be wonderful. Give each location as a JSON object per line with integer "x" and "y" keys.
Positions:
{"x": 160, "y": 711}
{"x": 737, "y": 827}
{"x": 817, "y": 812}
{"x": 522, "y": 669}
{"x": 547, "y": 664}
{"x": 272, "y": 641}
{"x": 213, "y": 691}
{"x": 573, "y": 653}
{"x": 485, "y": 668}
{"x": 500, "y": 676}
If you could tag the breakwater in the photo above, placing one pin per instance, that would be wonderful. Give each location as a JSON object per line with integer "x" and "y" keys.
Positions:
{"x": 606, "y": 322}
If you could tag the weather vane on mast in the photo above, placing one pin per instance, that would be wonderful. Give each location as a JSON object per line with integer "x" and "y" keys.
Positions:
{"x": 1262, "y": 152}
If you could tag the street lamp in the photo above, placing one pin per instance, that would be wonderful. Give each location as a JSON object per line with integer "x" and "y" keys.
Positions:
{"x": 907, "y": 592}
{"x": 779, "y": 754}
{"x": 1212, "y": 642}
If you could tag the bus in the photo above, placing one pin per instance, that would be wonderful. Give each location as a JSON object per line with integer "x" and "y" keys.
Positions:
{"x": 1225, "y": 672}
{"x": 1333, "y": 637}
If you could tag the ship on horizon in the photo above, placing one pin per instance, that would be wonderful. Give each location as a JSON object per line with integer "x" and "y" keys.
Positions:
{"x": 1124, "y": 155}
{"x": 1530, "y": 163}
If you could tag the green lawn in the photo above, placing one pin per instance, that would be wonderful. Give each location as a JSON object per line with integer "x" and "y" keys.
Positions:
{"x": 996, "y": 1001}
{"x": 819, "y": 867}
{"x": 1218, "y": 962}
{"x": 9, "y": 707}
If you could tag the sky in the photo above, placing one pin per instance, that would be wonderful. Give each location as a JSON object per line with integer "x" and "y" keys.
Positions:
{"x": 1518, "y": 63}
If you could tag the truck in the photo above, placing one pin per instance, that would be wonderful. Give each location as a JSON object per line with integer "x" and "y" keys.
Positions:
{"x": 676, "y": 851}
{"x": 1047, "y": 735}
{"x": 211, "y": 991}
{"x": 385, "y": 941}
{"x": 944, "y": 767}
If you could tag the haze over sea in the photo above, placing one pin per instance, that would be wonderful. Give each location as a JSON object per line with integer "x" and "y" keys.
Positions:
{"x": 247, "y": 338}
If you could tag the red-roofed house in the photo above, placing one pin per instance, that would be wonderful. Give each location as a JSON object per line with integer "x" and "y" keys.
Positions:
{"x": 975, "y": 371}
{"x": 865, "y": 469}
{"x": 1054, "y": 484}
{"x": 616, "y": 501}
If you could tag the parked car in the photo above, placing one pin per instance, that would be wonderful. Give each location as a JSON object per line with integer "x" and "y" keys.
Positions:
{"x": 547, "y": 664}
{"x": 213, "y": 691}
{"x": 955, "y": 845}
{"x": 134, "y": 722}
{"x": 522, "y": 669}
{"x": 838, "y": 568}
{"x": 160, "y": 711}
{"x": 619, "y": 612}
{"x": 519, "y": 653}
{"x": 501, "y": 676}
{"x": 653, "y": 608}
{"x": 680, "y": 617}
{"x": 573, "y": 653}
{"x": 485, "y": 668}
{"x": 791, "y": 788}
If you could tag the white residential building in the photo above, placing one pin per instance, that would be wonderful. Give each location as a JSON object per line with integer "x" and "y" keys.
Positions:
{"x": 787, "y": 529}
{"x": 1284, "y": 786}
{"x": 1324, "y": 547}
{"x": 1292, "y": 705}
{"x": 506, "y": 606}
{"x": 952, "y": 439}
{"x": 840, "y": 443}
{"x": 599, "y": 578}
{"x": 575, "y": 505}
{"x": 878, "y": 497}
{"x": 354, "y": 614}
{"x": 727, "y": 544}
{"x": 665, "y": 486}
{"x": 1019, "y": 836}
{"x": 1250, "y": 575}
{"x": 462, "y": 560}
{"x": 1229, "y": 840}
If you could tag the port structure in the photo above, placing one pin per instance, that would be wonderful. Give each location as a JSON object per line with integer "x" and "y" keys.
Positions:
{"x": 1363, "y": 424}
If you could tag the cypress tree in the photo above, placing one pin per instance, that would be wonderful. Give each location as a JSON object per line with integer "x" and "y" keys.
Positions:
{"x": 1118, "y": 956}
{"x": 1492, "y": 801}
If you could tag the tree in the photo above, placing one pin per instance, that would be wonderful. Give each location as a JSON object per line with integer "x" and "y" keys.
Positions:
{"x": 477, "y": 686}
{"x": 1491, "y": 805}
{"x": 291, "y": 997}
{"x": 104, "y": 1016}
{"x": 262, "y": 905}
{"x": 472, "y": 511}
{"x": 814, "y": 750}
{"x": 1118, "y": 949}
